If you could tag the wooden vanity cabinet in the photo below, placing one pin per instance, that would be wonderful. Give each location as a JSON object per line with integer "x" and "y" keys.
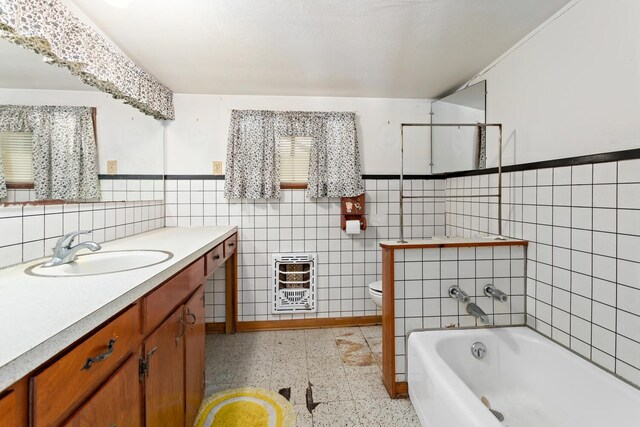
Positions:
{"x": 77, "y": 374}
{"x": 214, "y": 258}
{"x": 143, "y": 367}
{"x": 117, "y": 403}
{"x": 194, "y": 355}
{"x": 230, "y": 246}
{"x": 13, "y": 405}
{"x": 163, "y": 369}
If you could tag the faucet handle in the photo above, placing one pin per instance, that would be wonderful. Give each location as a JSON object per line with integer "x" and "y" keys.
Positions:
{"x": 458, "y": 294}
{"x": 67, "y": 239}
{"x": 495, "y": 293}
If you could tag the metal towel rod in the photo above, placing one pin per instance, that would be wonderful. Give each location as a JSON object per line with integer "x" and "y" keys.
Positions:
{"x": 402, "y": 196}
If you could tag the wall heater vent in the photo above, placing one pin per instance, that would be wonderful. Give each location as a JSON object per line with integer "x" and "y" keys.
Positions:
{"x": 294, "y": 283}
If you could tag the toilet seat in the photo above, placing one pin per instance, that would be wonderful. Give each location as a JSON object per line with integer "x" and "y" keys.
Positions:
{"x": 376, "y": 287}
{"x": 375, "y": 292}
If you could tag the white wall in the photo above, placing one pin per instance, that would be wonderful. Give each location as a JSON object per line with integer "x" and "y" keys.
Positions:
{"x": 124, "y": 134}
{"x": 573, "y": 88}
{"x": 198, "y": 136}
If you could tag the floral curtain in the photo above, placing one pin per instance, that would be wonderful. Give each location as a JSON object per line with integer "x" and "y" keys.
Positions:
{"x": 482, "y": 147}
{"x": 50, "y": 29}
{"x": 64, "y": 149}
{"x": 253, "y": 160}
{"x": 334, "y": 169}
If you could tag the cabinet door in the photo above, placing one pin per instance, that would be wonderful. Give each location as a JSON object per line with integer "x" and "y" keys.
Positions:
{"x": 164, "y": 382}
{"x": 118, "y": 402}
{"x": 13, "y": 405}
{"x": 194, "y": 354}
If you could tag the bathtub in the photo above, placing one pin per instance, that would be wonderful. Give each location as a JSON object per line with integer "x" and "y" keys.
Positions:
{"x": 528, "y": 378}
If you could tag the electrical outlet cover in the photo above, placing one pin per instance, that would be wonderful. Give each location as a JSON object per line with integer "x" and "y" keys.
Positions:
{"x": 217, "y": 168}
{"x": 112, "y": 167}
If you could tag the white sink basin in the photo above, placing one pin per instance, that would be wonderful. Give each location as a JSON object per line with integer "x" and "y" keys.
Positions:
{"x": 102, "y": 263}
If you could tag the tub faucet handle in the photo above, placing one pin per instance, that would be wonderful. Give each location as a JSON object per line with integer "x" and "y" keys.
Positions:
{"x": 495, "y": 293}
{"x": 458, "y": 294}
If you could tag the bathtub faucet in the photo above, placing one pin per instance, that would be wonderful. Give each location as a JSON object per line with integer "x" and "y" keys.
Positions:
{"x": 495, "y": 293}
{"x": 478, "y": 313}
{"x": 458, "y": 294}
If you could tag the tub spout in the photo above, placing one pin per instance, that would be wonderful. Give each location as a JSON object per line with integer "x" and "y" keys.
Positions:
{"x": 477, "y": 312}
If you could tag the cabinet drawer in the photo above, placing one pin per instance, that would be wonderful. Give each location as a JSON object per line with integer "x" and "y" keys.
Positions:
{"x": 73, "y": 377}
{"x": 230, "y": 245}
{"x": 117, "y": 403}
{"x": 215, "y": 258}
{"x": 161, "y": 302}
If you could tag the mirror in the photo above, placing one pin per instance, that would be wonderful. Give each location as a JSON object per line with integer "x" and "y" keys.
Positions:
{"x": 459, "y": 148}
{"x": 123, "y": 134}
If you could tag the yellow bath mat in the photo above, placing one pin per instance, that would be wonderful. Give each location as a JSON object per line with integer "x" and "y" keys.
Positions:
{"x": 246, "y": 407}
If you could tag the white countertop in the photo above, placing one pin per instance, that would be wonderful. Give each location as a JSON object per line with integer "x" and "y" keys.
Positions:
{"x": 41, "y": 316}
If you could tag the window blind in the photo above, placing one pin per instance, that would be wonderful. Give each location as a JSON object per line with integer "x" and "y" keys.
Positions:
{"x": 294, "y": 158}
{"x": 16, "y": 150}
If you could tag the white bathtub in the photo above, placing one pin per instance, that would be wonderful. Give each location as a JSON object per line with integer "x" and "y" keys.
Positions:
{"x": 528, "y": 378}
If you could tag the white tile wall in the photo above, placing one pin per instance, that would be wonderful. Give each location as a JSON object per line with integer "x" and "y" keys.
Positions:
{"x": 29, "y": 232}
{"x": 112, "y": 190}
{"x": 131, "y": 190}
{"x": 423, "y": 278}
{"x": 347, "y": 264}
{"x": 583, "y": 264}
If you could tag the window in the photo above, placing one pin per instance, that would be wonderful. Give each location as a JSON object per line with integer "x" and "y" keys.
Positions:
{"x": 294, "y": 161}
{"x": 16, "y": 150}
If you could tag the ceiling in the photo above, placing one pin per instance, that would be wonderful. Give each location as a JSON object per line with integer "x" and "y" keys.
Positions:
{"x": 362, "y": 48}
{"x": 21, "y": 68}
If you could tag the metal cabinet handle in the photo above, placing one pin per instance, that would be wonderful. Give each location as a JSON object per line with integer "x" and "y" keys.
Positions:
{"x": 183, "y": 329}
{"x": 231, "y": 244}
{"x": 192, "y": 316}
{"x": 216, "y": 256}
{"x": 147, "y": 362}
{"x": 99, "y": 358}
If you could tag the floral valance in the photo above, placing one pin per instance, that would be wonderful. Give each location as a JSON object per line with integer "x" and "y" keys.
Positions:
{"x": 64, "y": 151}
{"x": 50, "y": 29}
{"x": 253, "y": 160}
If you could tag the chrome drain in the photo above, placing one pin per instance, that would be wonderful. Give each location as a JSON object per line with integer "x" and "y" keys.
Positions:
{"x": 478, "y": 350}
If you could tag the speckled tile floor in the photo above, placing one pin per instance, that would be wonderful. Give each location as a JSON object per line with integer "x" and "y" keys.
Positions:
{"x": 341, "y": 365}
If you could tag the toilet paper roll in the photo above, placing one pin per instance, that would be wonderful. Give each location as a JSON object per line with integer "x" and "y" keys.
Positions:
{"x": 353, "y": 227}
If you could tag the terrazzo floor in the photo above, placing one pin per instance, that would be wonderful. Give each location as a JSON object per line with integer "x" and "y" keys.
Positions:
{"x": 341, "y": 367}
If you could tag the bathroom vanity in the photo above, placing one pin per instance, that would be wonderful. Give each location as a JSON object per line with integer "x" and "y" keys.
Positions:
{"x": 119, "y": 349}
{"x": 417, "y": 276}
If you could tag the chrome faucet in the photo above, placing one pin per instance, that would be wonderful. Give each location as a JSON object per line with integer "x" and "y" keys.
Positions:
{"x": 495, "y": 293}
{"x": 458, "y": 294}
{"x": 478, "y": 313}
{"x": 65, "y": 253}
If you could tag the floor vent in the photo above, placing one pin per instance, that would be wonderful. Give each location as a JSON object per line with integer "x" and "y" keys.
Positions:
{"x": 294, "y": 283}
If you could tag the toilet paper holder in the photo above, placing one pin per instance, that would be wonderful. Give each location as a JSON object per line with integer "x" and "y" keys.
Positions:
{"x": 352, "y": 208}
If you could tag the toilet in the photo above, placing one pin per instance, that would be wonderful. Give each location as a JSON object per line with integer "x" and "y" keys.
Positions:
{"x": 375, "y": 291}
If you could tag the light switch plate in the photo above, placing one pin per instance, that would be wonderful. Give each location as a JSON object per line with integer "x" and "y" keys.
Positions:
{"x": 217, "y": 168}
{"x": 112, "y": 167}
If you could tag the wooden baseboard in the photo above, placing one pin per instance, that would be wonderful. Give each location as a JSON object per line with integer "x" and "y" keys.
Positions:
{"x": 402, "y": 389}
{"x": 328, "y": 322}
{"x": 215, "y": 328}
